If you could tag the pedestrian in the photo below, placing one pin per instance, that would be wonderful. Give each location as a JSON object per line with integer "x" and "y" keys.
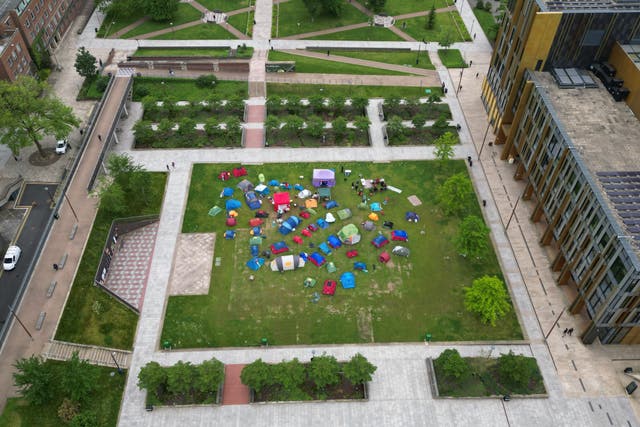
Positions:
{"x": 168, "y": 168}
{"x": 55, "y": 267}
{"x": 470, "y": 163}
{"x": 100, "y": 62}
{"x": 477, "y": 74}
{"x": 566, "y": 330}
{"x": 173, "y": 165}
{"x": 269, "y": 41}
{"x": 469, "y": 159}
{"x": 484, "y": 203}
{"x": 470, "y": 62}
{"x": 474, "y": 36}
{"x": 341, "y": 168}
{"x": 570, "y": 331}
{"x": 374, "y": 267}
{"x": 459, "y": 88}
{"x": 328, "y": 52}
{"x": 254, "y": 22}
{"x": 99, "y": 137}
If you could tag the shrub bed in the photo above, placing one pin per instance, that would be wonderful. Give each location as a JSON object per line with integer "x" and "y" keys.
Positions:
{"x": 295, "y": 131}
{"x": 408, "y": 108}
{"x": 187, "y": 134}
{"x": 326, "y": 108}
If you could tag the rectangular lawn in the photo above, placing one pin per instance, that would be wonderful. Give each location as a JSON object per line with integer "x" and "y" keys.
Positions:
{"x": 398, "y": 301}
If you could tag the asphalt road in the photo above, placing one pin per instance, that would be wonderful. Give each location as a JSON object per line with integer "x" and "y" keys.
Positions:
{"x": 28, "y": 238}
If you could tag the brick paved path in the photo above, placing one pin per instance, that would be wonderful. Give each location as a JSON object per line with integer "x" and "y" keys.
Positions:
{"x": 234, "y": 393}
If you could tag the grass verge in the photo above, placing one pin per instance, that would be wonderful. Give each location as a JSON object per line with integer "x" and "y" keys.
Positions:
{"x": 372, "y": 34}
{"x": 400, "y": 7}
{"x": 488, "y": 23}
{"x": 295, "y": 19}
{"x": 186, "y": 13}
{"x": 304, "y": 64}
{"x": 307, "y": 90}
{"x": 225, "y": 5}
{"x": 452, "y": 58}
{"x": 242, "y": 22}
{"x": 407, "y": 59}
{"x": 185, "y": 89}
{"x": 448, "y": 26}
{"x": 214, "y": 52}
{"x": 198, "y": 32}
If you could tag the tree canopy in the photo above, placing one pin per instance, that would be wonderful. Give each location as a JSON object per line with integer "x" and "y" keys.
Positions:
{"x": 444, "y": 146}
{"x": 85, "y": 63}
{"x": 452, "y": 364}
{"x": 517, "y": 369}
{"x": 472, "y": 238}
{"x": 324, "y": 370}
{"x": 358, "y": 370}
{"x": 320, "y": 7}
{"x": 79, "y": 379}
{"x": 488, "y": 298}
{"x": 33, "y": 379}
{"x": 454, "y": 195}
{"x": 28, "y": 112}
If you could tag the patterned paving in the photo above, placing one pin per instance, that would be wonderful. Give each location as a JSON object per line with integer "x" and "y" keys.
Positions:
{"x": 192, "y": 266}
{"x": 234, "y": 392}
{"x": 129, "y": 270}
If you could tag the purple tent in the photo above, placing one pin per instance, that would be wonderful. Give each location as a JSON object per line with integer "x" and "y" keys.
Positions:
{"x": 324, "y": 178}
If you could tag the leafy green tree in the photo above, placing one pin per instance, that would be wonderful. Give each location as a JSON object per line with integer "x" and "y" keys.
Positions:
{"x": 295, "y": 125}
{"x": 323, "y": 371}
{"x": 517, "y": 370}
{"x": 359, "y": 105}
{"x": 161, "y": 10}
{"x": 336, "y": 103}
{"x": 150, "y": 105}
{"x": 119, "y": 8}
{"x": 314, "y": 7}
{"x": 233, "y": 129}
{"x": 316, "y": 102}
{"x": 333, "y": 7}
{"x": 441, "y": 123}
{"x": 290, "y": 375}
{"x": 186, "y": 128}
{"x": 85, "y": 419}
{"x": 396, "y": 128}
{"x": 28, "y": 112}
{"x": 377, "y": 6}
{"x": 293, "y": 105}
{"x": 431, "y": 17}
{"x": 34, "y": 380}
{"x": 315, "y": 126}
{"x": 121, "y": 168}
{"x": 112, "y": 198}
{"x": 358, "y": 370}
{"x": 272, "y": 124}
{"x": 320, "y": 7}
{"x": 444, "y": 146}
{"x": 472, "y": 237}
{"x": 454, "y": 195}
{"x": 180, "y": 378}
{"x": 362, "y": 124}
{"x": 419, "y": 121}
{"x": 206, "y": 81}
{"x": 78, "y": 379}
{"x": 209, "y": 375}
{"x": 339, "y": 127}
{"x": 274, "y": 104}
{"x": 488, "y": 298}
{"x": 152, "y": 377}
{"x": 453, "y": 365}
{"x": 447, "y": 38}
{"x": 85, "y": 63}
{"x": 212, "y": 126}
{"x": 256, "y": 375}
{"x": 165, "y": 128}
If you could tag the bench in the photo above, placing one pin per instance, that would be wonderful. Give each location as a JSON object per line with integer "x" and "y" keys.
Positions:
{"x": 63, "y": 261}
{"x": 40, "y": 320}
{"x": 51, "y": 288}
{"x": 74, "y": 229}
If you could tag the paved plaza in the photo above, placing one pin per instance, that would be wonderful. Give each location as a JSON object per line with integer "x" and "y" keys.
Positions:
{"x": 585, "y": 388}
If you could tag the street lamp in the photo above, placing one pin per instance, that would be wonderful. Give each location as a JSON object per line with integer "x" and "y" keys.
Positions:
{"x": 418, "y": 56}
{"x": 171, "y": 25}
{"x": 71, "y": 206}
{"x": 49, "y": 193}
{"x": 113, "y": 356}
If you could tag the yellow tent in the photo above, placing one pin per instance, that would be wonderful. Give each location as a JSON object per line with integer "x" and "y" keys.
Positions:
{"x": 233, "y": 214}
{"x": 373, "y": 216}
{"x": 311, "y": 203}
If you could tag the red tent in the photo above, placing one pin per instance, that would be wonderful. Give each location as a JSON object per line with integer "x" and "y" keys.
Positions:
{"x": 384, "y": 257}
{"x": 298, "y": 240}
{"x": 305, "y": 215}
{"x": 254, "y": 222}
{"x": 231, "y": 221}
{"x": 306, "y": 232}
{"x": 238, "y": 172}
{"x": 329, "y": 287}
{"x": 351, "y": 254}
{"x": 224, "y": 175}
{"x": 281, "y": 201}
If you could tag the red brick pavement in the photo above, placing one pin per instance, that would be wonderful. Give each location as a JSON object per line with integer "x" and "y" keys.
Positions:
{"x": 254, "y": 138}
{"x": 234, "y": 392}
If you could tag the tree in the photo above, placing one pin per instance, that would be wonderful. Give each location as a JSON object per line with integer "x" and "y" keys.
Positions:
{"x": 84, "y": 419}
{"x": 209, "y": 375}
{"x": 316, "y": 102}
{"x": 233, "y": 129}
{"x": 471, "y": 239}
{"x": 121, "y": 167}
{"x": 452, "y": 364}
{"x": 441, "y": 123}
{"x": 290, "y": 375}
{"x": 487, "y": 297}
{"x": 362, "y": 124}
{"x": 447, "y": 38}
{"x": 78, "y": 379}
{"x": 143, "y": 132}
{"x": 34, "y": 379}
{"x": 314, "y": 7}
{"x": 256, "y": 375}
{"x": 180, "y": 378}
{"x": 186, "y": 128}
{"x": 396, "y": 128}
{"x": 212, "y": 126}
{"x": 336, "y": 103}
{"x": 431, "y": 17}
{"x": 315, "y": 126}
{"x": 324, "y": 370}
{"x": 419, "y": 121}
{"x": 359, "y": 105}
{"x": 86, "y": 63}
{"x": 272, "y": 124}
{"x": 112, "y": 198}
{"x": 454, "y": 194}
{"x": 444, "y": 146}
{"x": 161, "y": 10}
{"x": 28, "y": 112}
{"x": 293, "y": 105}
{"x": 318, "y": 7}
{"x": 517, "y": 370}
{"x": 152, "y": 377}
{"x": 294, "y": 124}
{"x": 377, "y": 6}
{"x": 339, "y": 126}
{"x": 358, "y": 370}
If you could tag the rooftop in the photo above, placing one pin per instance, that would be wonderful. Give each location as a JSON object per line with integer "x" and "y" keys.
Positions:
{"x": 633, "y": 50}
{"x": 6, "y": 5}
{"x": 589, "y": 5}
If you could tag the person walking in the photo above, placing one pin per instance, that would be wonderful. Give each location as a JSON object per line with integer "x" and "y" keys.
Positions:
{"x": 168, "y": 168}
{"x": 173, "y": 165}
{"x": 570, "y": 332}
{"x": 566, "y": 330}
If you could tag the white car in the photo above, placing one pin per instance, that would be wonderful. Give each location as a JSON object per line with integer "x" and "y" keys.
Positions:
{"x": 61, "y": 146}
{"x": 11, "y": 257}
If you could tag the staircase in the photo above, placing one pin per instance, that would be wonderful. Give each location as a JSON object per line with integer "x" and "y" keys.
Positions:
{"x": 102, "y": 356}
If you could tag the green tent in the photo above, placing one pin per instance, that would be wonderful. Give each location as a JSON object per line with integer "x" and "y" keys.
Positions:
{"x": 309, "y": 282}
{"x": 312, "y": 211}
{"x": 344, "y": 213}
{"x": 324, "y": 193}
{"x": 331, "y": 267}
{"x": 215, "y": 210}
{"x": 363, "y": 206}
{"x": 349, "y": 234}
{"x": 255, "y": 240}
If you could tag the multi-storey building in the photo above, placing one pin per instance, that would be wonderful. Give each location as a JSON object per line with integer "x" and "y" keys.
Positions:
{"x": 30, "y": 29}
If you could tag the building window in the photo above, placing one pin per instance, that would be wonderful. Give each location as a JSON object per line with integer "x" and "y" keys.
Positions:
{"x": 538, "y": 64}
{"x": 27, "y": 23}
{"x": 618, "y": 269}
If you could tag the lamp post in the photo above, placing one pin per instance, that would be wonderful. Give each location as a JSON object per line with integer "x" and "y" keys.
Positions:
{"x": 50, "y": 195}
{"x": 171, "y": 24}
{"x": 418, "y": 56}
{"x": 20, "y": 322}
{"x": 484, "y": 139}
{"x": 71, "y": 206}
{"x": 113, "y": 356}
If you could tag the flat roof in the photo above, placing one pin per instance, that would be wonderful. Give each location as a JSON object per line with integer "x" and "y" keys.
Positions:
{"x": 633, "y": 50}
{"x": 574, "y": 6}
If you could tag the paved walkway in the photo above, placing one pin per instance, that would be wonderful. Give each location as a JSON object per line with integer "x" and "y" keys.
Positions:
{"x": 111, "y": 357}
{"x": 234, "y": 393}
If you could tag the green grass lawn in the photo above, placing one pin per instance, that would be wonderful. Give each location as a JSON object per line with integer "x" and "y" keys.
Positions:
{"x": 198, "y": 32}
{"x": 185, "y": 89}
{"x": 306, "y": 90}
{"x": 215, "y": 52}
{"x": 243, "y": 22}
{"x": 372, "y": 34}
{"x": 390, "y": 57}
{"x": 225, "y": 5}
{"x": 400, "y": 7}
{"x": 452, "y": 58}
{"x": 114, "y": 324}
{"x": 186, "y": 13}
{"x": 295, "y": 19}
{"x": 444, "y": 23}
{"x": 488, "y": 23}
{"x": 312, "y": 65}
{"x": 105, "y": 403}
{"x": 398, "y": 301}
{"x": 112, "y": 24}
{"x": 89, "y": 89}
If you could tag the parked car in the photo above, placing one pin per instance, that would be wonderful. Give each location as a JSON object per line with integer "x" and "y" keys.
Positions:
{"x": 62, "y": 146}
{"x": 11, "y": 257}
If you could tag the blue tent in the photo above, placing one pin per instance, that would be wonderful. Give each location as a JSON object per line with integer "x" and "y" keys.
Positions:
{"x": 360, "y": 266}
{"x": 227, "y": 191}
{"x": 298, "y": 187}
{"x": 412, "y": 216}
{"x": 334, "y": 242}
{"x": 255, "y": 263}
{"x": 348, "y": 280}
{"x": 255, "y": 250}
{"x": 229, "y": 234}
{"x": 232, "y": 204}
{"x": 322, "y": 223}
{"x": 304, "y": 256}
{"x": 317, "y": 259}
{"x": 256, "y": 231}
{"x": 274, "y": 183}
{"x": 324, "y": 248}
{"x": 379, "y": 241}
{"x": 289, "y": 225}
{"x": 331, "y": 204}
{"x": 375, "y": 207}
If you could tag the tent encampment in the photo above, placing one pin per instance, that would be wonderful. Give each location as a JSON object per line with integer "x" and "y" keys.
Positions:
{"x": 369, "y": 225}
{"x": 232, "y": 204}
{"x": 344, "y": 213}
{"x": 348, "y": 280}
{"x": 334, "y": 241}
{"x": 245, "y": 185}
{"x": 255, "y": 263}
{"x": 323, "y": 178}
{"x": 289, "y": 225}
{"x": 401, "y": 251}
{"x": 349, "y": 234}
{"x": 287, "y": 263}
{"x": 281, "y": 201}
{"x": 379, "y": 241}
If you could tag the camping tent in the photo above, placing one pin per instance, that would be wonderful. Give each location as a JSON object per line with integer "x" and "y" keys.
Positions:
{"x": 360, "y": 266}
{"x": 401, "y": 251}
{"x": 224, "y": 175}
{"x": 232, "y": 204}
{"x": 215, "y": 210}
{"x": 331, "y": 268}
{"x": 255, "y": 263}
{"x": 261, "y": 178}
{"x": 274, "y": 183}
{"x": 324, "y": 178}
{"x": 255, "y": 250}
{"x": 304, "y": 194}
{"x": 262, "y": 189}
{"x": 229, "y": 234}
{"x": 373, "y": 216}
{"x": 379, "y": 241}
{"x": 281, "y": 201}
{"x": 297, "y": 239}
{"x": 329, "y": 287}
{"x": 384, "y": 257}
{"x": 256, "y": 231}
{"x": 238, "y": 172}
{"x": 399, "y": 235}
{"x": 330, "y": 218}
{"x": 331, "y": 204}
{"x": 334, "y": 242}
{"x": 375, "y": 207}
{"x": 322, "y": 223}
{"x": 245, "y": 185}
{"x": 411, "y": 216}
{"x": 255, "y": 222}
{"x": 311, "y": 203}
{"x": 231, "y": 222}
{"x": 309, "y": 282}
{"x": 289, "y": 225}
{"x": 317, "y": 259}
{"x": 324, "y": 193}
{"x": 324, "y": 248}
{"x": 226, "y": 192}
{"x": 255, "y": 240}
{"x": 348, "y": 280}
{"x": 279, "y": 247}
{"x": 344, "y": 213}
{"x": 369, "y": 225}
{"x": 287, "y": 263}
{"x": 349, "y": 234}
